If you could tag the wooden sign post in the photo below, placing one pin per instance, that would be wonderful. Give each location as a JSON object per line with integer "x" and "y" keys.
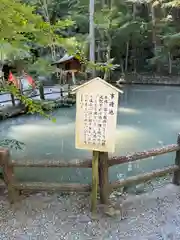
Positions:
{"x": 96, "y": 117}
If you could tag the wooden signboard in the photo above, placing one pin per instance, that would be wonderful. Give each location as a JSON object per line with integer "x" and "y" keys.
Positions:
{"x": 96, "y": 115}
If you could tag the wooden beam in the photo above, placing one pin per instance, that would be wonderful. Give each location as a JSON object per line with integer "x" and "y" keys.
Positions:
{"x": 41, "y": 91}
{"x": 8, "y": 175}
{"x": 2, "y": 184}
{"x": 176, "y": 176}
{"x": 111, "y": 162}
{"x": 52, "y": 164}
{"x": 46, "y": 186}
{"x": 95, "y": 180}
{"x": 142, "y": 155}
{"x": 143, "y": 177}
{"x": 2, "y": 151}
{"x": 103, "y": 177}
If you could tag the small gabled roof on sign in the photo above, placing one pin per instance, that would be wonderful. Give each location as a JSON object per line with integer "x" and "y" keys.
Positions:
{"x": 99, "y": 80}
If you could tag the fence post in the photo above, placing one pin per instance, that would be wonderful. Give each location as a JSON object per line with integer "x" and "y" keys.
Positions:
{"x": 176, "y": 176}
{"x": 13, "y": 100}
{"x": 103, "y": 177}
{"x": 69, "y": 90}
{"x": 61, "y": 92}
{"x": 8, "y": 175}
{"x": 41, "y": 91}
{"x": 95, "y": 179}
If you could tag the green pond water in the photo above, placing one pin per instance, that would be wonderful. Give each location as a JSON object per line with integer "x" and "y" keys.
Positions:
{"x": 148, "y": 117}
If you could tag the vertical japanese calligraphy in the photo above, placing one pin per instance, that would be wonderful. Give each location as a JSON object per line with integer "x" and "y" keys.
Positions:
{"x": 96, "y": 115}
{"x": 96, "y": 110}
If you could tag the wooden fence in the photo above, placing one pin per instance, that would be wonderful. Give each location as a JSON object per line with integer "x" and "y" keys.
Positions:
{"x": 105, "y": 187}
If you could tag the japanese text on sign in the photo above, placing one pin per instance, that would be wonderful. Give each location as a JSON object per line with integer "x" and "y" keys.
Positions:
{"x": 96, "y": 115}
{"x": 96, "y": 108}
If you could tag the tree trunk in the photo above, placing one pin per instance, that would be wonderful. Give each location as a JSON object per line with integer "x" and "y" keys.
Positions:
{"x": 133, "y": 45}
{"x": 154, "y": 35}
{"x": 169, "y": 63}
{"x": 109, "y": 37}
{"x": 91, "y": 35}
{"x": 108, "y": 58}
{"x": 51, "y": 40}
{"x": 127, "y": 56}
{"x": 153, "y": 29}
{"x": 122, "y": 66}
{"x": 99, "y": 53}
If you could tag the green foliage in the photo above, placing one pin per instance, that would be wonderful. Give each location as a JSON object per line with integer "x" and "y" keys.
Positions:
{"x": 125, "y": 32}
{"x": 19, "y": 19}
{"x": 20, "y": 26}
{"x": 12, "y": 144}
{"x": 33, "y": 107}
{"x": 174, "y": 3}
{"x": 16, "y": 18}
{"x": 42, "y": 67}
{"x": 173, "y": 40}
{"x": 12, "y": 52}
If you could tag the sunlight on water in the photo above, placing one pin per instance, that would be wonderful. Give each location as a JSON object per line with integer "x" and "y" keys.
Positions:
{"x": 34, "y": 132}
{"x": 145, "y": 120}
{"x": 129, "y": 138}
{"x": 173, "y": 124}
{"x": 129, "y": 110}
{"x": 126, "y": 136}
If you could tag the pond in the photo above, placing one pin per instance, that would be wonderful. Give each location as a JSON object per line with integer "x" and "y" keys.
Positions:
{"x": 148, "y": 117}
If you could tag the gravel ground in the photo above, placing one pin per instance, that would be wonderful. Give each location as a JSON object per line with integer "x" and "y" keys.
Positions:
{"x": 150, "y": 216}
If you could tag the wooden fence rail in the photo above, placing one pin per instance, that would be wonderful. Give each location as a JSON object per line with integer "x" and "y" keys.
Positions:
{"x": 41, "y": 93}
{"x": 105, "y": 187}
{"x": 60, "y": 92}
{"x": 143, "y": 155}
{"x": 88, "y": 164}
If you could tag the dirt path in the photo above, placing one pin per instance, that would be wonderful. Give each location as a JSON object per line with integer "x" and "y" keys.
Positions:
{"x": 151, "y": 216}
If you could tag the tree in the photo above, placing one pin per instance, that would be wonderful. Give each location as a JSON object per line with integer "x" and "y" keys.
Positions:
{"x": 20, "y": 29}
{"x": 138, "y": 36}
